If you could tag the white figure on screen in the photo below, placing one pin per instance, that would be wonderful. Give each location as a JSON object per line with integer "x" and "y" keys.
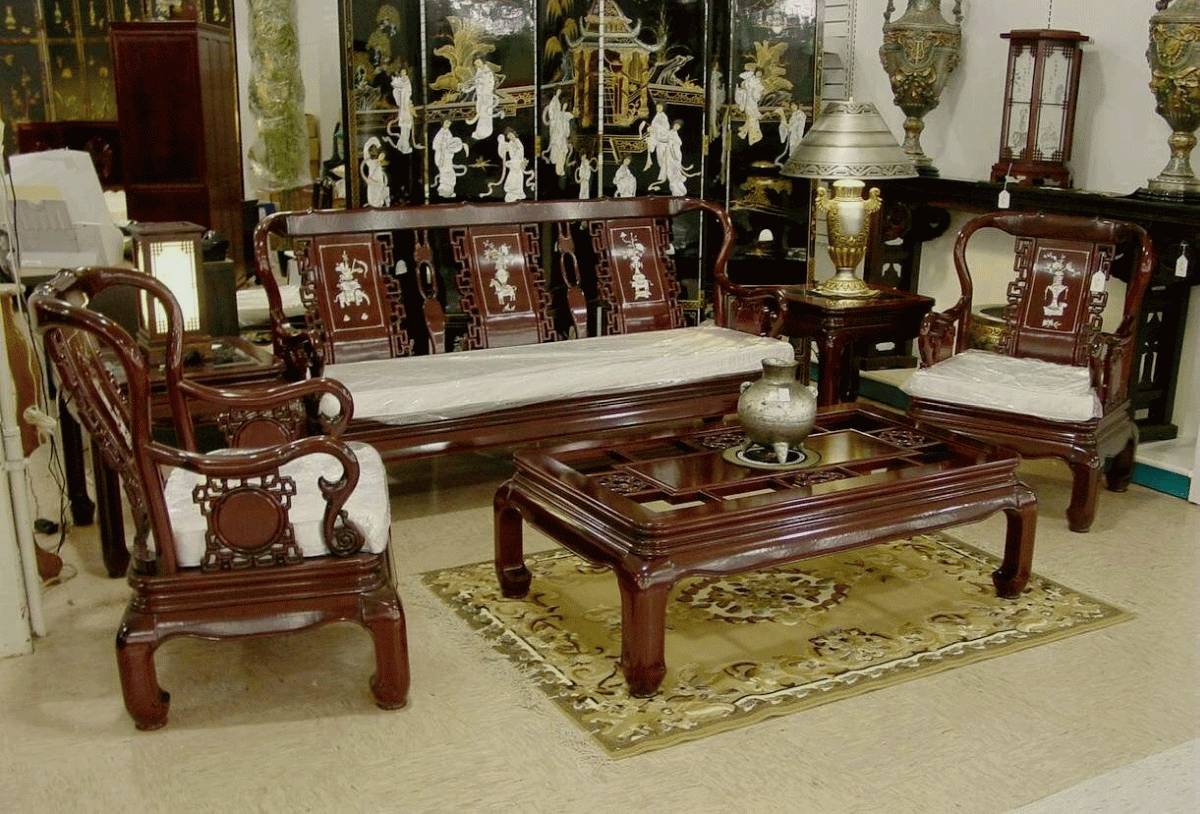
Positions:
{"x": 583, "y": 176}
{"x": 512, "y": 159}
{"x": 791, "y": 131}
{"x": 625, "y": 180}
{"x": 558, "y": 120}
{"x": 446, "y": 146}
{"x": 373, "y": 172}
{"x": 747, "y": 96}
{"x": 677, "y": 174}
{"x": 655, "y": 138}
{"x": 484, "y": 85}
{"x": 402, "y": 95}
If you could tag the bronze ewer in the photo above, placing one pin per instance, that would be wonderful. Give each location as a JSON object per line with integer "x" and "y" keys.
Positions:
{"x": 920, "y": 50}
{"x": 1175, "y": 79}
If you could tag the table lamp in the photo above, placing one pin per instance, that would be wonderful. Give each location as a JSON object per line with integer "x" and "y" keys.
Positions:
{"x": 170, "y": 253}
{"x": 849, "y": 143}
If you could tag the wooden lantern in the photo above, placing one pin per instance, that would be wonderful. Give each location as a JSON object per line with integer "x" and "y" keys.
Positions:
{"x": 170, "y": 252}
{"x": 1039, "y": 106}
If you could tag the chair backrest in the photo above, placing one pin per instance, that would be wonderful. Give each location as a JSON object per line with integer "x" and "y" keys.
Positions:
{"x": 502, "y": 289}
{"x": 352, "y": 302}
{"x": 626, "y": 264}
{"x": 1062, "y": 265}
{"x": 105, "y": 381}
{"x": 636, "y": 275}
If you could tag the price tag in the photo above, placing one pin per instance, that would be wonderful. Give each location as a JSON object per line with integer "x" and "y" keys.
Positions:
{"x": 1181, "y": 265}
{"x": 1005, "y": 199}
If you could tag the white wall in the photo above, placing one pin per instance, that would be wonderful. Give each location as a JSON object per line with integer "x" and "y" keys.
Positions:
{"x": 317, "y": 26}
{"x": 1120, "y": 141}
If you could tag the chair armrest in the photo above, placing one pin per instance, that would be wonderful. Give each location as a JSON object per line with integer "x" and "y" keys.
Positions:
{"x": 233, "y": 470}
{"x": 238, "y": 410}
{"x": 1110, "y": 362}
{"x": 943, "y": 334}
{"x": 755, "y": 310}
{"x": 298, "y": 350}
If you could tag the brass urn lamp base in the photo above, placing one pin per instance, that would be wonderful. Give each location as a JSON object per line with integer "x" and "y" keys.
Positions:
{"x": 848, "y": 216}
{"x": 844, "y": 285}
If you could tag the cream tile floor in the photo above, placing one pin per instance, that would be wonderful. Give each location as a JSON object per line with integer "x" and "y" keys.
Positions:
{"x": 1105, "y": 721}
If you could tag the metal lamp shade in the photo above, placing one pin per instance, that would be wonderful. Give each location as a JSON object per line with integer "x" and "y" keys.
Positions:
{"x": 850, "y": 140}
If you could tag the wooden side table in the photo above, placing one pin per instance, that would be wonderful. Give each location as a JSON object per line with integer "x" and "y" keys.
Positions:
{"x": 837, "y": 324}
{"x": 237, "y": 363}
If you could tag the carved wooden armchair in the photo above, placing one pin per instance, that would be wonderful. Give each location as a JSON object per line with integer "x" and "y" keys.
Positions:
{"x": 1059, "y": 388}
{"x": 278, "y": 536}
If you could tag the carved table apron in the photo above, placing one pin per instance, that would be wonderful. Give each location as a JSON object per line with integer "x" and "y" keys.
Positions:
{"x": 836, "y": 324}
{"x": 662, "y": 507}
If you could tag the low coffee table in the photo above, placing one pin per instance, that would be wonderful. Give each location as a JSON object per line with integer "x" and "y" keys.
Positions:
{"x": 662, "y": 507}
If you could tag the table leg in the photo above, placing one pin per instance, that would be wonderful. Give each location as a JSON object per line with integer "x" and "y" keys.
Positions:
{"x": 1012, "y": 575}
{"x": 829, "y": 388}
{"x": 643, "y": 632}
{"x": 108, "y": 515}
{"x": 514, "y": 577}
{"x": 82, "y": 508}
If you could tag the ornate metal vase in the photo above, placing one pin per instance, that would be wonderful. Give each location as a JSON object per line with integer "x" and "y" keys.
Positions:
{"x": 1174, "y": 58}
{"x": 920, "y": 50}
{"x": 777, "y": 412}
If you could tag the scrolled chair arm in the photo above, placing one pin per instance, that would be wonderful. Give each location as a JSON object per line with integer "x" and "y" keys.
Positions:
{"x": 268, "y": 417}
{"x": 238, "y": 466}
{"x": 1110, "y": 363}
{"x": 939, "y": 335}
{"x": 755, "y": 309}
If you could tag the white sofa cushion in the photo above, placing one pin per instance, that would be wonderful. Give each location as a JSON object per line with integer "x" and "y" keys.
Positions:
{"x": 368, "y": 506}
{"x": 427, "y": 388}
{"x": 997, "y": 382}
{"x": 254, "y": 310}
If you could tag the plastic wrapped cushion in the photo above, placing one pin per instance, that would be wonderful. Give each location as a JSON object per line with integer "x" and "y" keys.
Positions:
{"x": 997, "y": 382}
{"x": 368, "y": 506}
{"x": 454, "y": 385}
{"x": 253, "y": 309}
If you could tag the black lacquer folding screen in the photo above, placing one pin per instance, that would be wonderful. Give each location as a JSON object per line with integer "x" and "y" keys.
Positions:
{"x": 540, "y": 99}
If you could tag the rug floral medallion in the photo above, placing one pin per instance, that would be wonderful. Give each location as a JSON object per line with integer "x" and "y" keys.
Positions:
{"x": 743, "y": 648}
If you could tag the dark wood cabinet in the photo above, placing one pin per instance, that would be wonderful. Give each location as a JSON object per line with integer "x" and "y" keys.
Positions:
{"x": 177, "y": 111}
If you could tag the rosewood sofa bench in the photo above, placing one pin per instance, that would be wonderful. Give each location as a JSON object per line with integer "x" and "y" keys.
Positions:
{"x": 572, "y": 309}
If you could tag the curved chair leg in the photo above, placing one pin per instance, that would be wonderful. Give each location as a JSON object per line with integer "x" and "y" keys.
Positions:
{"x": 383, "y": 616}
{"x": 146, "y": 702}
{"x": 1085, "y": 484}
{"x": 1120, "y": 471}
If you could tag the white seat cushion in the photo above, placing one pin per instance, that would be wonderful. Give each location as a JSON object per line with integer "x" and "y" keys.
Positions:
{"x": 368, "y": 506}
{"x": 997, "y": 382}
{"x": 429, "y": 388}
{"x": 254, "y": 310}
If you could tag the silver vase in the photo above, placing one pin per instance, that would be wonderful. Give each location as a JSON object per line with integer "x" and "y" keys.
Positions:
{"x": 777, "y": 412}
{"x": 1174, "y": 58}
{"x": 920, "y": 50}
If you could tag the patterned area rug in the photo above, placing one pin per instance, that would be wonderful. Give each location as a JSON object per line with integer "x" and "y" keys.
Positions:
{"x": 744, "y": 648}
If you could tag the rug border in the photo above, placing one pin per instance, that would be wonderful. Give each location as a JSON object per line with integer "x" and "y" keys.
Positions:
{"x": 495, "y": 639}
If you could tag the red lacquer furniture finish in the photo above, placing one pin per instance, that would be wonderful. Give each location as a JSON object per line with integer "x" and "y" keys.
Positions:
{"x": 666, "y": 506}
{"x": 1076, "y": 339}
{"x": 630, "y": 253}
{"x": 250, "y": 583}
{"x": 838, "y": 324}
